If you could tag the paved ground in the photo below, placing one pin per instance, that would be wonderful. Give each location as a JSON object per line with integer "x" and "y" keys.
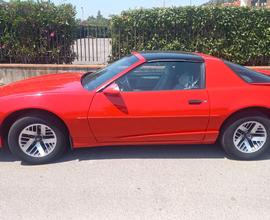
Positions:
{"x": 194, "y": 182}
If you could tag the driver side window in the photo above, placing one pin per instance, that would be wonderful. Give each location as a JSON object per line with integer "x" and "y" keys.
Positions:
{"x": 157, "y": 76}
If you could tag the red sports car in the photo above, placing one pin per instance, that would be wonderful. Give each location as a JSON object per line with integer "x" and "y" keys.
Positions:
{"x": 144, "y": 98}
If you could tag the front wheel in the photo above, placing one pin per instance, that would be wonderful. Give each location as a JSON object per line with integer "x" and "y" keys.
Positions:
{"x": 37, "y": 140}
{"x": 247, "y": 138}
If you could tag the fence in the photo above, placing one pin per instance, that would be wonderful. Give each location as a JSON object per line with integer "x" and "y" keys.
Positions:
{"x": 92, "y": 45}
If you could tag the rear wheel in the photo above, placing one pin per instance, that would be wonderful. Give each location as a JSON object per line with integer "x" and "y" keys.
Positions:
{"x": 247, "y": 138}
{"x": 37, "y": 139}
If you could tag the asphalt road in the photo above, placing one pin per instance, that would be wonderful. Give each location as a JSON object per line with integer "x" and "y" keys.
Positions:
{"x": 176, "y": 182}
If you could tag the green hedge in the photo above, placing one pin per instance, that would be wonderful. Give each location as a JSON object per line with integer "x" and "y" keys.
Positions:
{"x": 241, "y": 35}
{"x": 36, "y": 32}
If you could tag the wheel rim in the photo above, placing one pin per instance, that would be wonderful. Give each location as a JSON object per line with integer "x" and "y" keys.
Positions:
{"x": 250, "y": 137}
{"x": 37, "y": 140}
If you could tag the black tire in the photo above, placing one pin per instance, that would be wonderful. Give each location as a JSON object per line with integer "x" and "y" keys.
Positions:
{"x": 22, "y": 123}
{"x": 229, "y": 130}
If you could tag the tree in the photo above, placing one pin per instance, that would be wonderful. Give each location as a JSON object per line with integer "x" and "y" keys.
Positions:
{"x": 218, "y": 2}
{"x": 36, "y": 32}
{"x": 99, "y": 20}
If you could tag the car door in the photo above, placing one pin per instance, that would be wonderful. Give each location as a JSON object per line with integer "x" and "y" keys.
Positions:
{"x": 157, "y": 101}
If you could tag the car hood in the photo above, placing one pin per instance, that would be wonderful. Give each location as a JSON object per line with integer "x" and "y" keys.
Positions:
{"x": 46, "y": 83}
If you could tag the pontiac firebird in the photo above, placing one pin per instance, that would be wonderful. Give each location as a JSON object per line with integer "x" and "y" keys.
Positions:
{"x": 145, "y": 98}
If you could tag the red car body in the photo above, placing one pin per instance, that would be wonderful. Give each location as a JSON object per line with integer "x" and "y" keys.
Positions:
{"x": 96, "y": 119}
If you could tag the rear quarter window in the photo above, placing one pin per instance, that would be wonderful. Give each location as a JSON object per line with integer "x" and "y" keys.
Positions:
{"x": 248, "y": 75}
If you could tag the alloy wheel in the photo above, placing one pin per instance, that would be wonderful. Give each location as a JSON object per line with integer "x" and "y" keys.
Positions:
{"x": 250, "y": 137}
{"x": 37, "y": 140}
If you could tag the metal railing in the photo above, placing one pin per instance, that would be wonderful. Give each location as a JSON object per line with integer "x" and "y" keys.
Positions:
{"x": 93, "y": 45}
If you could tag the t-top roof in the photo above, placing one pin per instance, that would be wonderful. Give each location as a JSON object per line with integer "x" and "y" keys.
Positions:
{"x": 171, "y": 55}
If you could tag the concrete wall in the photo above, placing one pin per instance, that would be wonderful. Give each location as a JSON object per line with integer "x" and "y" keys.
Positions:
{"x": 14, "y": 72}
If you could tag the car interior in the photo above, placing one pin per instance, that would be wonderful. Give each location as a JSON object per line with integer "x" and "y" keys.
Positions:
{"x": 156, "y": 76}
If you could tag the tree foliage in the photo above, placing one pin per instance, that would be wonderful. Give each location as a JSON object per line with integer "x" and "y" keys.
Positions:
{"x": 99, "y": 20}
{"x": 218, "y": 2}
{"x": 241, "y": 35}
{"x": 36, "y": 32}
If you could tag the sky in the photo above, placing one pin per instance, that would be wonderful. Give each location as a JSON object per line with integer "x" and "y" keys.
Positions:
{"x": 86, "y": 8}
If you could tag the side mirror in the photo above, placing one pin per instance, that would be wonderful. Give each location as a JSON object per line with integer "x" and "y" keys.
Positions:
{"x": 112, "y": 90}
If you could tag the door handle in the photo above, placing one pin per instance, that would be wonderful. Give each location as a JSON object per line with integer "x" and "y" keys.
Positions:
{"x": 196, "y": 101}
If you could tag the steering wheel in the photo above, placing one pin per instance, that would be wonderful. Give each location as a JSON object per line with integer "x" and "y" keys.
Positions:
{"x": 124, "y": 84}
{"x": 195, "y": 84}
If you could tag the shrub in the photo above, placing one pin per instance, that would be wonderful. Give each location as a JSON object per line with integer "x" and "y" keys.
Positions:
{"x": 238, "y": 34}
{"x": 36, "y": 32}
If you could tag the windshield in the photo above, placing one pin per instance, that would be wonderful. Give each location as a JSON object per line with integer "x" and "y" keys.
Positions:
{"x": 91, "y": 81}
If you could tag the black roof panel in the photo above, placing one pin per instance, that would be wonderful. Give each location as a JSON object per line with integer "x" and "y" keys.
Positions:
{"x": 171, "y": 55}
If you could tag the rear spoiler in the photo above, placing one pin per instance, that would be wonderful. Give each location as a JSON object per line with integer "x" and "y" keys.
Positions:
{"x": 261, "y": 84}
{"x": 264, "y": 71}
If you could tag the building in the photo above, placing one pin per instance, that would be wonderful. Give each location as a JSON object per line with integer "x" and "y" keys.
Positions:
{"x": 256, "y": 3}
{"x": 236, "y": 3}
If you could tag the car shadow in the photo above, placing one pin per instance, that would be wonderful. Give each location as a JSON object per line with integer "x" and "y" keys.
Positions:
{"x": 138, "y": 152}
